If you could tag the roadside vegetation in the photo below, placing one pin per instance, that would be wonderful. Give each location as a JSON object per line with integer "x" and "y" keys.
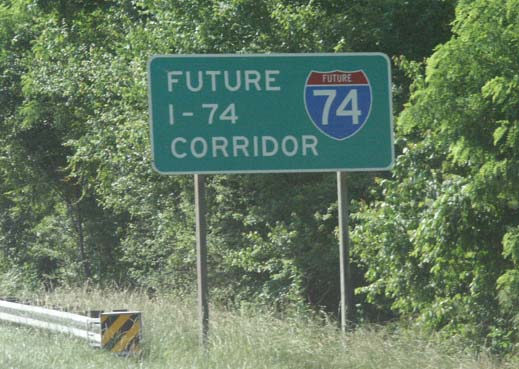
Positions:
{"x": 246, "y": 339}
{"x": 435, "y": 240}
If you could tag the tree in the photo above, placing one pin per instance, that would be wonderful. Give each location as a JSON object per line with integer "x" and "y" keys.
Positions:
{"x": 438, "y": 242}
{"x": 48, "y": 210}
{"x": 80, "y": 93}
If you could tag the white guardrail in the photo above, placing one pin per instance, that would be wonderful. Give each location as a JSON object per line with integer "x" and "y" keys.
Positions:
{"x": 53, "y": 320}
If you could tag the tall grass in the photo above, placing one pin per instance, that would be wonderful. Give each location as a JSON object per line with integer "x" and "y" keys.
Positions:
{"x": 238, "y": 340}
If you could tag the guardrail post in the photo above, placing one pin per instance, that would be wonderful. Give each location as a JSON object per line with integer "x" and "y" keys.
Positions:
{"x": 121, "y": 332}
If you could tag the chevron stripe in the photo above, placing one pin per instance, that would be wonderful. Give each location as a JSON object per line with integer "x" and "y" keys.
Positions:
{"x": 120, "y": 332}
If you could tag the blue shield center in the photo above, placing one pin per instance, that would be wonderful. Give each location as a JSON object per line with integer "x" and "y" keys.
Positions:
{"x": 339, "y": 111}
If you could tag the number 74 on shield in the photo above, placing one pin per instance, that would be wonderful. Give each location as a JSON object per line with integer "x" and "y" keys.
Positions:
{"x": 342, "y": 110}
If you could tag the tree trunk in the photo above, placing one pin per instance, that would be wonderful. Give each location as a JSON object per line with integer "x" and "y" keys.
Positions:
{"x": 77, "y": 221}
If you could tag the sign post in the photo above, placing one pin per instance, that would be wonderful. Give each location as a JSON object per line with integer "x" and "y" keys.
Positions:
{"x": 346, "y": 306}
{"x": 201, "y": 257}
{"x": 270, "y": 113}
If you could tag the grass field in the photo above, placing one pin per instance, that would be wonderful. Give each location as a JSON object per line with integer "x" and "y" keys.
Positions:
{"x": 238, "y": 340}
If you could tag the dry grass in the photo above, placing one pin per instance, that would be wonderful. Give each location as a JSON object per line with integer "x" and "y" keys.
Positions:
{"x": 238, "y": 340}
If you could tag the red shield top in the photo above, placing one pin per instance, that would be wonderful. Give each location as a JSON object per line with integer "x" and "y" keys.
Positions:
{"x": 337, "y": 78}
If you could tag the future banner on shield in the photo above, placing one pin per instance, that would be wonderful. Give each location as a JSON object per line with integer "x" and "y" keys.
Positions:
{"x": 270, "y": 113}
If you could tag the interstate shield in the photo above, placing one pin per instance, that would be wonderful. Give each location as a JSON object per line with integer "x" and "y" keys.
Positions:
{"x": 338, "y": 102}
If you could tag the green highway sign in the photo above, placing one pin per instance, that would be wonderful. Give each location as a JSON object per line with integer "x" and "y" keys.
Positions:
{"x": 270, "y": 113}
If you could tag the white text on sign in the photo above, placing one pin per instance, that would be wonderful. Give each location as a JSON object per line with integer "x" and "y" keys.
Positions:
{"x": 241, "y": 146}
{"x": 245, "y": 80}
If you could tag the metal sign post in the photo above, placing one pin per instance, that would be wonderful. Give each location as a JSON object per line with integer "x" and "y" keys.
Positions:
{"x": 346, "y": 307}
{"x": 201, "y": 257}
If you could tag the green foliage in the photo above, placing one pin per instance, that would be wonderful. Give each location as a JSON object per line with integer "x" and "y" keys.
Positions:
{"x": 441, "y": 244}
{"x": 79, "y": 199}
{"x": 273, "y": 246}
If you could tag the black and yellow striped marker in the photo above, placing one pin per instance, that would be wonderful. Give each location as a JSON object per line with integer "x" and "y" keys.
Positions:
{"x": 121, "y": 332}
